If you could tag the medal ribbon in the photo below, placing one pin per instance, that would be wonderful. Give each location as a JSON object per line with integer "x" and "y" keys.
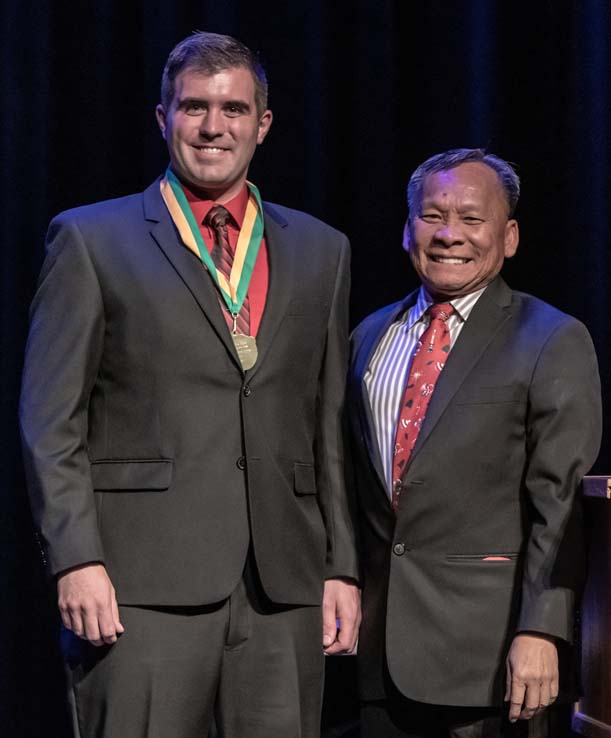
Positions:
{"x": 251, "y": 234}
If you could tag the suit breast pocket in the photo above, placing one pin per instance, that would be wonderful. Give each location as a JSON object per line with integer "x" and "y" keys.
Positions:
{"x": 510, "y": 393}
{"x": 299, "y": 306}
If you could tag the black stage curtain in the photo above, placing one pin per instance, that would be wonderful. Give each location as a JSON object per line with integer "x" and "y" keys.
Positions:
{"x": 362, "y": 91}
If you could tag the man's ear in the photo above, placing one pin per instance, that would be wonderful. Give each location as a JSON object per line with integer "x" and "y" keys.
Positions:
{"x": 407, "y": 240}
{"x": 265, "y": 122}
{"x": 161, "y": 119}
{"x": 512, "y": 238}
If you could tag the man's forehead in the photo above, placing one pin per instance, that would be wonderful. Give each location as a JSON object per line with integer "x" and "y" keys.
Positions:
{"x": 470, "y": 178}
{"x": 236, "y": 81}
{"x": 469, "y": 171}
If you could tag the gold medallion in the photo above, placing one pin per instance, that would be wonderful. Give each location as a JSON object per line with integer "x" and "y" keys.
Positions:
{"x": 246, "y": 346}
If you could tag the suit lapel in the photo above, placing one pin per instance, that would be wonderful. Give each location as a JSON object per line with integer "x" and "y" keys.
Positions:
{"x": 281, "y": 255}
{"x": 188, "y": 266}
{"x": 193, "y": 273}
{"x": 487, "y": 317}
{"x": 363, "y": 355}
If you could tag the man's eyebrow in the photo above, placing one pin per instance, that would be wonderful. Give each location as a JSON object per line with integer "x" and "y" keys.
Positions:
{"x": 432, "y": 204}
{"x": 186, "y": 101}
{"x": 240, "y": 104}
{"x": 474, "y": 207}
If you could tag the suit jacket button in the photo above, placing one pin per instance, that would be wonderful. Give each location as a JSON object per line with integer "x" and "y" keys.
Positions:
{"x": 246, "y": 390}
{"x": 241, "y": 463}
{"x": 398, "y": 549}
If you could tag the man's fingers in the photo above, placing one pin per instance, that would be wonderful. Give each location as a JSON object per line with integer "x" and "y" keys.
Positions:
{"x": 348, "y": 636}
{"x": 329, "y": 624}
{"x": 544, "y": 695}
{"x": 115, "y": 616}
{"x": 341, "y": 616}
{"x": 345, "y": 641}
{"x": 92, "y": 628}
{"x": 88, "y": 605}
{"x": 532, "y": 701}
{"x": 507, "y": 684}
{"x": 554, "y": 688}
{"x": 516, "y": 700}
{"x": 75, "y": 623}
{"x": 94, "y": 624}
{"x": 66, "y": 619}
{"x": 106, "y": 622}
{"x": 533, "y": 664}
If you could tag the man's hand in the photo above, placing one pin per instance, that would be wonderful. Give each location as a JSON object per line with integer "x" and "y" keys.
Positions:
{"x": 341, "y": 616}
{"x": 87, "y": 604}
{"x": 532, "y": 675}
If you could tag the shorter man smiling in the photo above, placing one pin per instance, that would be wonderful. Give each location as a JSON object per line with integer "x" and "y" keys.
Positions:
{"x": 475, "y": 413}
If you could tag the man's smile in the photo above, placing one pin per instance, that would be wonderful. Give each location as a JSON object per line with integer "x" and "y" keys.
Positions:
{"x": 448, "y": 259}
{"x": 207, "y": 149}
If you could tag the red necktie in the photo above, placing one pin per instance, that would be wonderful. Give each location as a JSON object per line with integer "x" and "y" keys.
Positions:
{"x": 428, "y": 361}
{"x": 222, "y": 256}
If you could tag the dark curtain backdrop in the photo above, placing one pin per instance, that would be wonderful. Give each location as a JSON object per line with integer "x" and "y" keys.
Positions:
{"x": 362, "y": 91}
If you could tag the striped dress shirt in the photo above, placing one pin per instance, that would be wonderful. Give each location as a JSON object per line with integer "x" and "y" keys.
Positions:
{"x": 388, "y": 369}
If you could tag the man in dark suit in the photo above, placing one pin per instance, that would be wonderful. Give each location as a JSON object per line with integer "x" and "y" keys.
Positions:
{"x": 475, "y": 412}
{"x": 180, "y": 414}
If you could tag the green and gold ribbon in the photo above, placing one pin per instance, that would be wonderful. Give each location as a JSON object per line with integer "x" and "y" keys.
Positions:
{"x": 251, "y": 234}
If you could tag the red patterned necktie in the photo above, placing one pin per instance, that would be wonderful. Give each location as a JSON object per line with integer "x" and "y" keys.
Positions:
{"x": 428, "y": 361}
{"x": 222, "y": 256}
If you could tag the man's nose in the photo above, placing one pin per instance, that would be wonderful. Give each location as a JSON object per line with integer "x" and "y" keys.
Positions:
{"x": 449, "y": 234}
{"x": 212, "y": 124}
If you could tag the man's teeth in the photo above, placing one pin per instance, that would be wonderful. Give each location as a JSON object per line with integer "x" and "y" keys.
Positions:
{"x": 449, "y": 260}
{"x": 211, "y": 149}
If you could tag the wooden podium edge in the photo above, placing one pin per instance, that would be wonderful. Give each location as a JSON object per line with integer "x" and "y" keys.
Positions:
{"x": 597, "y": 486}
{"x": 588, "y": 726}
{"x": 583, "y": 724}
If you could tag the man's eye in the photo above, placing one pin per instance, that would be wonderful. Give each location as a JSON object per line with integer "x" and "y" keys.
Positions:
{"x": 430, "y": 217}
{"x": 194, "y": 109}
{"x": 472, "y": 220}
{"x": 233, "y": 110}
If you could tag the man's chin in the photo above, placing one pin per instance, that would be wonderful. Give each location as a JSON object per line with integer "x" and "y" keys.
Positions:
{"x": 448, "y": 290}
{"x": 208, "y": 181}
{"x": 208, "y": 187}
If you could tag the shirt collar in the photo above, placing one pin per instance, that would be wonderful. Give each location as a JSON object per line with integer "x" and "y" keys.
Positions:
{"x": 462, "y": 306}
{"x": 201, "y": 206}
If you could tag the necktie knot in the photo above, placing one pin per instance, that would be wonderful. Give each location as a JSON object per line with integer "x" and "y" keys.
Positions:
{"x": 441, "y": 311}
{"x": 217, "y": 217}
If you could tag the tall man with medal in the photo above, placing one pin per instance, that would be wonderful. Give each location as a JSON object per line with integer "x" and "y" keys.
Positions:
{"x": 233, "y": 290}
{"x": 180, "y": 414}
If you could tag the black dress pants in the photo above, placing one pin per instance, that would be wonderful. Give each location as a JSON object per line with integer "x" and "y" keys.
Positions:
{"x": 254, "y": 667}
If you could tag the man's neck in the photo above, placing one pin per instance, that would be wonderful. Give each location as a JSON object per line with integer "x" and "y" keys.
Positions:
{"x": 219, "y": 196}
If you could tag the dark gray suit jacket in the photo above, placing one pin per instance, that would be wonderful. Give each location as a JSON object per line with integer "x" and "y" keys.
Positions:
{"x": 513, "y": 425}
{"x": 146, "y": 445}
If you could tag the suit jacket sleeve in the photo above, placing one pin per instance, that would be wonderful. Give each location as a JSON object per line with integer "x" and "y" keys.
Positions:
{"x": 563, "y": 438}
{"x": 61, "y": 363}
{"x": 335, "y": 506}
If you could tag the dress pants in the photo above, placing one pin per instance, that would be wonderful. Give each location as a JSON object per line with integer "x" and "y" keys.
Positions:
{"x": 254, "y": 667}
{"x": 398, "y": 717}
